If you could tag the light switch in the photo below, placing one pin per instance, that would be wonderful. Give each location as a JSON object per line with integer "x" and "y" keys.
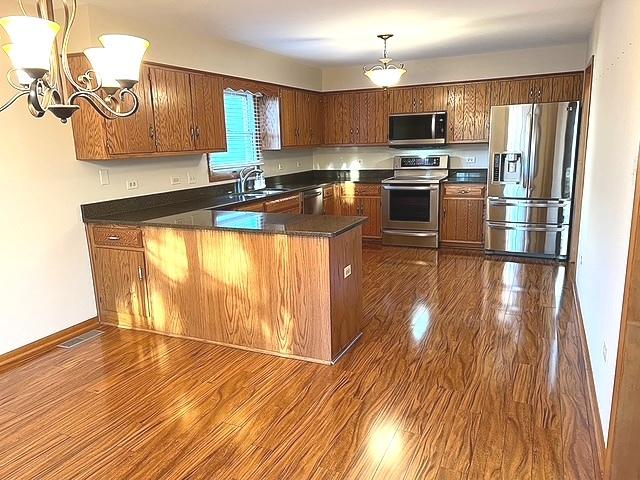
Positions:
{"x": 347, "y": 271}
{"x": 191, "y": 178}
{"x": 104, "y": 176}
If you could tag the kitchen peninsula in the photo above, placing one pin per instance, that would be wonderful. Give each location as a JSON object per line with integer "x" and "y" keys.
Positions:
{"x": 281, "y": 283}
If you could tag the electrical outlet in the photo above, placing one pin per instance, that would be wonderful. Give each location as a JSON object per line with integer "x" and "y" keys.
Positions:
{"x": 132, "y": 184}
{"x": 604, "y": 351}
{"x": 280, "y": 166}
{"x": 104, "y": 176}
{"x": 191, "y": 178}
{"x": 298, "y": 164}
{"x": 470, "y": 159}
{"x": 347, "y": 271}
{"x": 175, "y": 180}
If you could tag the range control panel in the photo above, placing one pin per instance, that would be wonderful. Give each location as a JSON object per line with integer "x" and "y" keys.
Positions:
{"x": 436, "y": 161}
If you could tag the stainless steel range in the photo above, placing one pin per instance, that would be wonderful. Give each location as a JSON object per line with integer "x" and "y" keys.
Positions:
{"x": 411, "y": 201}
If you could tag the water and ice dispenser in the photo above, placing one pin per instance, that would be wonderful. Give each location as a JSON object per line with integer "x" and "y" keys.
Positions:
{"x": 507, "y": 167}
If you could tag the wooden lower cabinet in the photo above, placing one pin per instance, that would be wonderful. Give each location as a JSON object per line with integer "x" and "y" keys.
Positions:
{"x": 251, "y": 207}
{"x": 462, "y": 215}
{"x": 363, "y": 200}
{"x": 119, "y": 277}
{"x": 329, "y": 197}
{"x": 289, "y": 204}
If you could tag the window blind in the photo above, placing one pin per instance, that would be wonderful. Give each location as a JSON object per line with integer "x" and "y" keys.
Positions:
{"x": 243, "y": 133}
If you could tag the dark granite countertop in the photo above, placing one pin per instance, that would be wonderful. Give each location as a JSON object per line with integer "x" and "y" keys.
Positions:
{"x": 254, "y": 222}
{"x": 476, "y": 175}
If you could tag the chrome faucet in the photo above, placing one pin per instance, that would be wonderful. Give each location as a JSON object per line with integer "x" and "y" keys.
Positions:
{"x": 246, "y": 173}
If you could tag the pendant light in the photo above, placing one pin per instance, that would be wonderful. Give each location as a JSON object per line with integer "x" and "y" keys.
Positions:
{"x": 37, "y": 68}
{"x": 385, "y": 74}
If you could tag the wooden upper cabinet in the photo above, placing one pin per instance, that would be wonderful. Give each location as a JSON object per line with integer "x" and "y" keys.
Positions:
{"x": 301, "y": 118}
{"x": 207, "y": 102}
{"x": 468, "y": 112}
{"x": 288, "y": 117}
{"x": 135, "y": 134}
{"x": 428, "y": 98}
{"x": 559, "y": 88}
{"x": 172, "y": 110}
{"x": 316, "y": 134}
{"x": 547, "y": 88}
{"x": 374, "y": 126}
{"x": 89, "y": 127}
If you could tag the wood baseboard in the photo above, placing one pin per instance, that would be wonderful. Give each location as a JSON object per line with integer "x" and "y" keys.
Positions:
{"x": 40, "y": 346}
{"x": 597, "y": 433}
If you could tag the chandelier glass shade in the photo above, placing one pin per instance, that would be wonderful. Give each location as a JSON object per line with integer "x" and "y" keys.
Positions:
{"x": 385, "y": 74}
{"x": 38, "y": 70}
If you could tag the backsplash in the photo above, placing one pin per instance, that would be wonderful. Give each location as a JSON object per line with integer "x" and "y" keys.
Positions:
{"x": 363, "y": 158}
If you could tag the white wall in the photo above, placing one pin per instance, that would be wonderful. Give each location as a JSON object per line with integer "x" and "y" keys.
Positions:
{"x": 469, "y": 67}
{"x": 46, "y": 280}
{"x": 612, "y": 153}
{"x": 362, "y": 158}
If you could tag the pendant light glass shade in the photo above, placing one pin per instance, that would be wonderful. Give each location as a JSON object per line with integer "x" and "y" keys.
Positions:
{"x": 31, "y": 42}
{"x": 103, "y": 64}
{"x": 126, "y": 54}
{"x": 386, "y": 76}
{"x": 17, "y": 60}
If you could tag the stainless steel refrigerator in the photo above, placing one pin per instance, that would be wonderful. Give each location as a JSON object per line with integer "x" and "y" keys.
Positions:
{"x": 532, "y": 152}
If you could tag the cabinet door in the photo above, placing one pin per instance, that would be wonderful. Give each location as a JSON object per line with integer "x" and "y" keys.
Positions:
{"x": 343, "y": 107}
{"x": 371, "y": 208}
{"x": 288, "y": 117}
{"x": 316, "y": 120}
{"x": 431, "y": 98}
{"x": 89, "y": 127}
{"x": 402, "y": 100}
{"x": 119, "y": 277}
{"x": 559, "y": 88}
{"x": 207, "y": 101}
{"x": 373, "y": 118}
{"x": 468, "y": 107}
{"x": 330, "y": 122}
{"x": 352, "y": 116}
{"x": 512, "y": 92}
{"x": 350, "y": 206}
{"x": 303, "y": 116}
{"x": 462, "y": 221}
{"x": 134, "y": 134}
{"x": 172, "y": 110}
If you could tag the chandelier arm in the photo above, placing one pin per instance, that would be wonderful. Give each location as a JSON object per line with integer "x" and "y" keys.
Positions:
{"x": 102, "y": 106}
{"x": 17, "y": 86}
{"x": 69, "y": 18}
{"x": 13, "y": 99}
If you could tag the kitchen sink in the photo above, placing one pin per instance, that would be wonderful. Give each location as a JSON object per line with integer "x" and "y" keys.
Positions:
{"x": 260, "y": 193}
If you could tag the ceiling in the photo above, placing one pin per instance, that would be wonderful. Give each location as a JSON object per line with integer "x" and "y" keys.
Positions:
{"x": 335, "y": 32}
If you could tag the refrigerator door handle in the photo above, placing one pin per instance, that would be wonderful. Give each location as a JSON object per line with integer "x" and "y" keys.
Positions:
{"x": 535, "y": 144}
{"x": 527, "y": 203}
{"x": 528, "y": 228}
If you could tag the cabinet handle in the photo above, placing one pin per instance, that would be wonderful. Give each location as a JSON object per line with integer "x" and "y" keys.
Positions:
{"x": 193, "y": 132}
{"x": 113, "y": 238}
{"x": 197, "y": 132}
{"x": 151, "y": 132}
{"x": 140, "y": 273}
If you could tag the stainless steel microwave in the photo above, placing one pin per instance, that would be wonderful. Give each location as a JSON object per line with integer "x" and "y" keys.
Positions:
{"x": 410, "y": 129}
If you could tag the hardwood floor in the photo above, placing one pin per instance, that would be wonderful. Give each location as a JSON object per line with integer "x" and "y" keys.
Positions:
{"x": 468, "y": 368}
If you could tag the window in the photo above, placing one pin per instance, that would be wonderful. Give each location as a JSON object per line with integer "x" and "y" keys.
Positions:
{"x": 243, "y": 133}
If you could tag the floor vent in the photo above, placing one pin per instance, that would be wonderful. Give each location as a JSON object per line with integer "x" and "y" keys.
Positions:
{"x": 75, "y": 341}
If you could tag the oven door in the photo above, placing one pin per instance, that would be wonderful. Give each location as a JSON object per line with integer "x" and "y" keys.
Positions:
{"x": 410, "y": 207}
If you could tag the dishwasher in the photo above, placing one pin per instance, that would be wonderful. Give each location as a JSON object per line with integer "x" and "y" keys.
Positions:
{"x": 312, "y": 201}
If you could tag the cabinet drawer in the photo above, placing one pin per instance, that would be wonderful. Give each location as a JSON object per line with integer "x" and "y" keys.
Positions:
{"x": 360, "y": 190}
{"x": 117, "y": 237}
{"x": 287, "y": 204}
{"x": 251, "y": 207}
{"x": 474, "y": 191}
{"x": 327, "y": 192}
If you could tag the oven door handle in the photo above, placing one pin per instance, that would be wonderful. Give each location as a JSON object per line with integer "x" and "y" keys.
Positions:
{"x": 409, "y": 187}
{"x": 410, "y": 233}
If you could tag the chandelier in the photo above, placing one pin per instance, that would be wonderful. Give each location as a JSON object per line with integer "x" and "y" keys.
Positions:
{"x": 385, "y": 74}
{"x": 38, "y": 69}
